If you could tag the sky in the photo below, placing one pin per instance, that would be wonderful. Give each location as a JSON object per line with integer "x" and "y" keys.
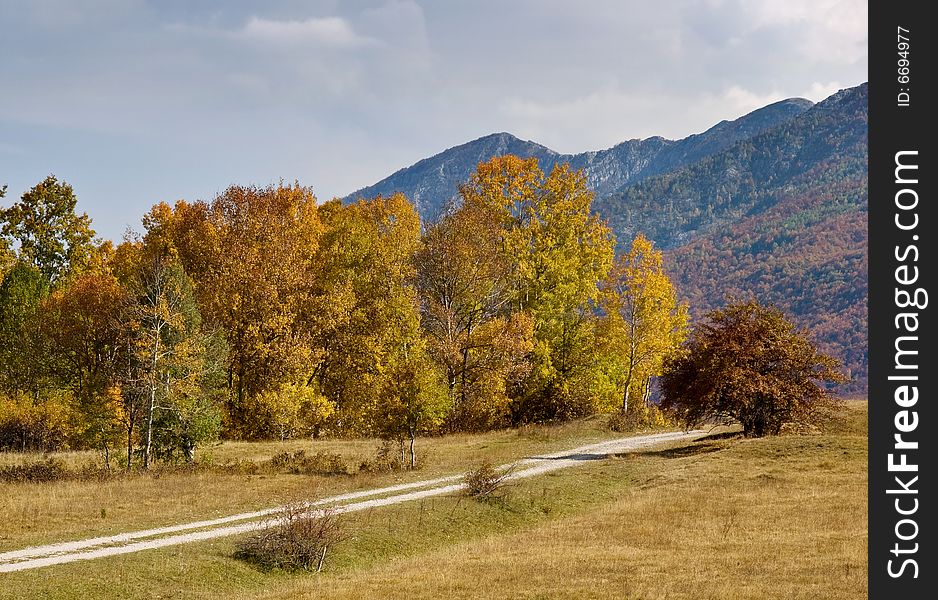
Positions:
{"x": 135, "y": 102}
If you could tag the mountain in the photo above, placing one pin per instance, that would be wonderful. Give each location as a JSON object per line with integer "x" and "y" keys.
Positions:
{"x": 781, "y": 215}
{"x": 432, "y": 182}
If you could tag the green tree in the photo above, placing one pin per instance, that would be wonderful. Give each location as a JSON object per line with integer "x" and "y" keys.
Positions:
{"x": 7, "y": 256}
{"x": 22, "y": 352}
{"x": 642, "y": 317}
{"x": 189, "y": 411}
{"x": 747, "y": 363}
{"x": 48, "y": 232}
{"x": 174, "y": 359}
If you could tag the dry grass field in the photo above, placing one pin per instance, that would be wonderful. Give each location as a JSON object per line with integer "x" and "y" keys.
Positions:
{"x": 39, "y": 513}
{"x": 725, "y": 517}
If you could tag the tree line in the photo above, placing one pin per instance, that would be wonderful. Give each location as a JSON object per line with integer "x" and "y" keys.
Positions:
{"x": 263, "y": 314}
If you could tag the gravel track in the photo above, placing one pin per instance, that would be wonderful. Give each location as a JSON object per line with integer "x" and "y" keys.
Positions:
{"x": 149, "y": 539}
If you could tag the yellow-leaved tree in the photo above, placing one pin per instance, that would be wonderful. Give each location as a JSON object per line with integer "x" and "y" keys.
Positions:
{"x": 251, "y": 253}
{"x": 363, "y": 312}
{"x": 643, "y": 322}
{"x": 479, "y": 343}
{"x": 559, "y": 252}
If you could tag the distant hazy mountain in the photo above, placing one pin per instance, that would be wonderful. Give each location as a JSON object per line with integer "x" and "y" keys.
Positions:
{"x": 433, "y": 181}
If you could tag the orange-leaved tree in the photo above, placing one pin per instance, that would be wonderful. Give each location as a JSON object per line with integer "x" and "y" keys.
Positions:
{"x": 747, "y": 363}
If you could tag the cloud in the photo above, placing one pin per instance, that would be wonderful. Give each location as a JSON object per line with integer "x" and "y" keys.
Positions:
{"x": 830, "y": 30}
{"x": 820, "y": 90}
{"x": 151, "y": 100}
{"x": 744, "y": 101}
{"x": 332, "y": 32}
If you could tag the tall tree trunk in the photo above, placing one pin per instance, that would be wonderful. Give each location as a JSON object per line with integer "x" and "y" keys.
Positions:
{"x": 151, "y": 405}
{"x": 107, "y": 457}
{"x": 149, "y": 437}
{"x": 413, "y": 453}
{"x": 130, "y": 444}
{"x": 625, "y": 395}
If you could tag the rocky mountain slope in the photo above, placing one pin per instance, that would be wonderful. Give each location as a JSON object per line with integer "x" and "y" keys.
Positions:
{"x": 432, "y": 182}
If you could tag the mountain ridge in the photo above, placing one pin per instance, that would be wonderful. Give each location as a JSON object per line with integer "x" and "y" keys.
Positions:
{"x": 432, "y": 182}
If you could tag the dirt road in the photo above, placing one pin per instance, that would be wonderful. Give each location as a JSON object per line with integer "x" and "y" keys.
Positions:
{"x": 136, "y": 541}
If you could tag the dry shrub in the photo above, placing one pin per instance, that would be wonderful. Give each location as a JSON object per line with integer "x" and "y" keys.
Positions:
{"x": 486, "y": 483}
{"x": 645, "y": 417}
{"x": 239, "y": 466}
{"x": 296, "y": 540}
{"x": 537, "y": 432}
{"x": 42, "y": 471}
{"x": 53, "y": 469}
{"x": 298, "y": 463}
{"x": 387, "y": 459}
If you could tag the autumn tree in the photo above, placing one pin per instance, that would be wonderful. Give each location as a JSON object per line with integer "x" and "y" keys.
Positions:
{"x": 34, "y": 413}
{"x": 364, "y": 311}
{"x": 413, "y": 399}
{"x": 47, "y": 231}
{"x": 466, "y": 291}
{"x": 295, "y": 409}
{"x": 559, "y": 251}
{"x": 82, "y": 323}
{"x": 642, "y": 317}
{"x": 42, "y": 424}
{"x": 251, "y": 253}
{"x": 747, "y": 363}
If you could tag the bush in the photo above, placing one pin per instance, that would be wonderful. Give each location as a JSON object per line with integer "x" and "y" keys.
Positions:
{"x": 37, "y": 472}
{"x": 296, "y": 540}
{"x": 298, "y": 463}
{"x": 536, "y": 431}
{"x": 645, "y": 417}
{"x": 52, "y": 469}
{"x": 387, "y": 459}
{"x": 486, "y": 483}
{"x": 30, "y": 424}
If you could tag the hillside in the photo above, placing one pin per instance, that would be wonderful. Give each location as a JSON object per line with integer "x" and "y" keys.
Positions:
{"x": 433, "y": 181}
{"x": 781, "y": 216}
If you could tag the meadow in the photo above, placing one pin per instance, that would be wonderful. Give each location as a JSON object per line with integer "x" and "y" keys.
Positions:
{"x": 723, "y": 517}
